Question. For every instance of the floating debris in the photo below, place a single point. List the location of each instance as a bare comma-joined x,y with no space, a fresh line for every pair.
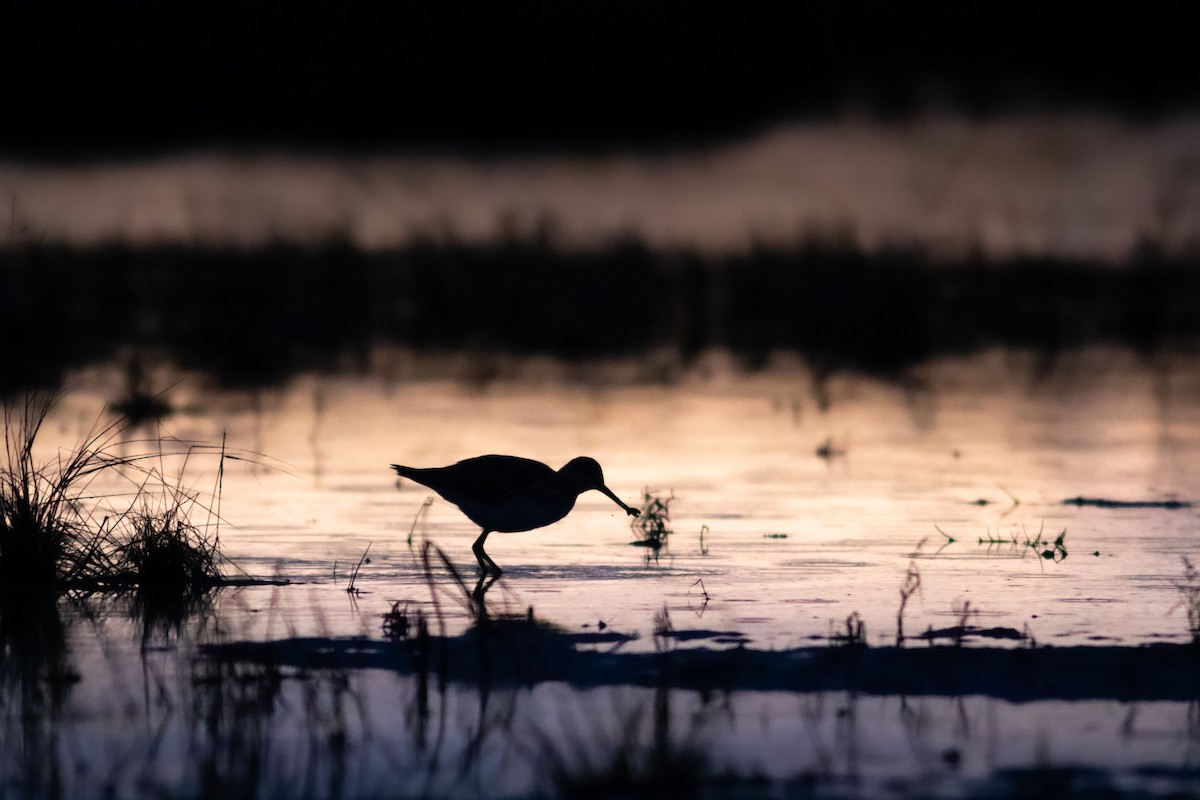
1100,502
828,450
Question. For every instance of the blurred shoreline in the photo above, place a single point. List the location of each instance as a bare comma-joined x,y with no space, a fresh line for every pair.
1049,185
257,317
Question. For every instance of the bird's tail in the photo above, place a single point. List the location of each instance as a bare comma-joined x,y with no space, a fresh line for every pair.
403,471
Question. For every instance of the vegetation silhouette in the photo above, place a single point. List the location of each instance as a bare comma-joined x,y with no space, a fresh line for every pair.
331,308
60,532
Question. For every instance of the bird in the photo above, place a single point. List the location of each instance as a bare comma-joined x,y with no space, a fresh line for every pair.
510,494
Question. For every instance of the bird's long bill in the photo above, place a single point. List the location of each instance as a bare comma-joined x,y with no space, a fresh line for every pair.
631,511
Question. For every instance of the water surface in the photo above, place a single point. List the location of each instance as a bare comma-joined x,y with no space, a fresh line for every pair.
815,498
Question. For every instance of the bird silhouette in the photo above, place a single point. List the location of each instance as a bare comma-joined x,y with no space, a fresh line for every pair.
508,494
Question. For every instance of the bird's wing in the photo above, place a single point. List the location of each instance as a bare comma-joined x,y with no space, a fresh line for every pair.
485,480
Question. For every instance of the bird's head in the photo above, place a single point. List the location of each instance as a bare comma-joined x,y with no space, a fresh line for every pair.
583,474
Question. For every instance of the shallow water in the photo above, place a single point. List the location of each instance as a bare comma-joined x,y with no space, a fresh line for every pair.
794,541
988,447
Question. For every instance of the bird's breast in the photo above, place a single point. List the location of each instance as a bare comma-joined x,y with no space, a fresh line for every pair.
520,514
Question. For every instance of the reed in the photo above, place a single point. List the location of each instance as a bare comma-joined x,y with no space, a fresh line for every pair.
351,588
58,531
1189,590
910,586
47,538
166,552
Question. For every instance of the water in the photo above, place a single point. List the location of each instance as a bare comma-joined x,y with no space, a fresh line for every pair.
791,539
815,498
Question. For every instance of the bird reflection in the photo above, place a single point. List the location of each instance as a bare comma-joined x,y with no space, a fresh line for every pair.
486,580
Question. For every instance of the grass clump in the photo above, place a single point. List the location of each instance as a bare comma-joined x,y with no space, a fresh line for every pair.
46,537
49,533
165,552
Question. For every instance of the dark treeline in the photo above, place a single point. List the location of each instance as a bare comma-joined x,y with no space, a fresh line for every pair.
85,78
259,316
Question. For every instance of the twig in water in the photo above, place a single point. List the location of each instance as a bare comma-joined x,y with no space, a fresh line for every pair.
911,586
1189,588
424,507
351,588
965,612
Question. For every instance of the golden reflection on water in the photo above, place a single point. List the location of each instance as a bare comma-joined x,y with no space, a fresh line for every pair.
795,541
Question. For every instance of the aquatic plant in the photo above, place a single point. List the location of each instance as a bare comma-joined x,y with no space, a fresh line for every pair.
1058,550
652,525
165,552
46,538
160,547
1044,548
145,539
350,587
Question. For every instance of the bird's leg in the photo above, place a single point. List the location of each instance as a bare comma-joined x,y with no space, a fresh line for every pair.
486,564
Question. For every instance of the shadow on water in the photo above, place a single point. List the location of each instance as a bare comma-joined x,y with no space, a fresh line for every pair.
520,650
655,746
36,677
513,706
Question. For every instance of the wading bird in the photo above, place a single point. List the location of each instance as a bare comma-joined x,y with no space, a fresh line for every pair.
507,494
